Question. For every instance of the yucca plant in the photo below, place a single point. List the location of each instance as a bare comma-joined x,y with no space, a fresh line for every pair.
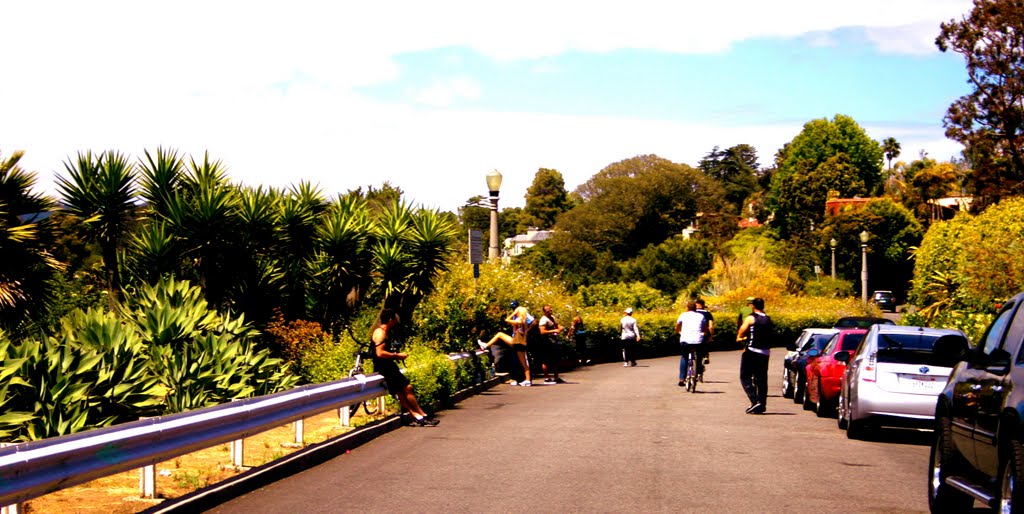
101,191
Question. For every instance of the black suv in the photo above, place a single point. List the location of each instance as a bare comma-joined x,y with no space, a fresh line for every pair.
884,300
979,434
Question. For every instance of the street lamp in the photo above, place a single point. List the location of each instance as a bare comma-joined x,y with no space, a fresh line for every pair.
864,266
493,184
833,243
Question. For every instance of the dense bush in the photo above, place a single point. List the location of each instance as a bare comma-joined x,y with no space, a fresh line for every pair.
636,294
827,287
962,267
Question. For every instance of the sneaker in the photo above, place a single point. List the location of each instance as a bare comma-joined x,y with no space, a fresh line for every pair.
682,383
753,409
707,360
633,363
483,345
548,381
526,383
425,422
558,381
625,364
513,383
700,378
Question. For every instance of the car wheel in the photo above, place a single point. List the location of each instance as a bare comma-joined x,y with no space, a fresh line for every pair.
858,429
944,463
841,412
821,408
787,384
799,390
808,404
1013,470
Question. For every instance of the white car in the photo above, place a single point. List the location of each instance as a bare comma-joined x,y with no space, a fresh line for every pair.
896,376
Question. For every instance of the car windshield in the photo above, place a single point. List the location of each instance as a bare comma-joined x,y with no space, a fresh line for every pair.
851,341
930,349
862,322
818,341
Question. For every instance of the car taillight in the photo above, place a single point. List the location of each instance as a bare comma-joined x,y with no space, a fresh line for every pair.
870,371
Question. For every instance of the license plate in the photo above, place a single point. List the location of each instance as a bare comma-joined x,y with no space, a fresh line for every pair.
925,383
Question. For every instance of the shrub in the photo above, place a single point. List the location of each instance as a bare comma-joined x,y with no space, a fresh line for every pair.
636,294
827,287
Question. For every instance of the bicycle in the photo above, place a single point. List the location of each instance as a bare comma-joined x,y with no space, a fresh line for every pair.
370,407
691,370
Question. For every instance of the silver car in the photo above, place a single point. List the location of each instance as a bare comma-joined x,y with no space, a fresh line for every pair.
896,376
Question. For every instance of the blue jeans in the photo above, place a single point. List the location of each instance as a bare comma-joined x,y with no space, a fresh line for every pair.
684,360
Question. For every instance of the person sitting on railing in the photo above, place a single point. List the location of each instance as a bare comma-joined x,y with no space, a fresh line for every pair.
521,322
384,363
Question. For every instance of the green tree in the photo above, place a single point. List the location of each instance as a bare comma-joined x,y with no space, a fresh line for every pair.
827,157
546,198
891,149
670,266
635,203
736,170
24,238
894,233
989,121
101,190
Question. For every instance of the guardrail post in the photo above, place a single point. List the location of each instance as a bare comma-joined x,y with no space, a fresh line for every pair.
237,449
14,508
298,431
343,416
147,481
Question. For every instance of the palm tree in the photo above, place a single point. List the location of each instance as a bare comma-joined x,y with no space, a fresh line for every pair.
101,191
26,264
891,148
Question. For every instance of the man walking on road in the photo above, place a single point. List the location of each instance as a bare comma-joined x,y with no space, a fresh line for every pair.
756,333
630,337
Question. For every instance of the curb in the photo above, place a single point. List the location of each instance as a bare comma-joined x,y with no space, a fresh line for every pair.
296,462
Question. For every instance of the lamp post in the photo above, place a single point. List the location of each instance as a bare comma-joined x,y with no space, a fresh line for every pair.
864,266
833,243
493,184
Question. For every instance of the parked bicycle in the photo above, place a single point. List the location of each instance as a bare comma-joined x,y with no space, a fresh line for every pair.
370,407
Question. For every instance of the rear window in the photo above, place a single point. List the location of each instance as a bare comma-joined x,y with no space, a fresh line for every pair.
852,341
928,349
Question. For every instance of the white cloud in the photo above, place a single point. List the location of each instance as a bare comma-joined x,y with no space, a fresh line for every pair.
443,93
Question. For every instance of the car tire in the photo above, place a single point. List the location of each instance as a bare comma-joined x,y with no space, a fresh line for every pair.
808,404
787,384
799,390
945,462
858,429
821,408
1011,490
841,412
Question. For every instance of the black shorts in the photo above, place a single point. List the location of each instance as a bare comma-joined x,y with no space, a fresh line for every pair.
393,377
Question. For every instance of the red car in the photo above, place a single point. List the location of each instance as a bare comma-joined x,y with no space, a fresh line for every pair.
824,371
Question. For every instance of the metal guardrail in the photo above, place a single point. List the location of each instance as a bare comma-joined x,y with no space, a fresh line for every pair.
29,470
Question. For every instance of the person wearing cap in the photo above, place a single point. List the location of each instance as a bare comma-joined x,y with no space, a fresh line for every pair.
521,322
745,311
630,337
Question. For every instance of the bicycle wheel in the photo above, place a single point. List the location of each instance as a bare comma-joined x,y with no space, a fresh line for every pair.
371,407
691,374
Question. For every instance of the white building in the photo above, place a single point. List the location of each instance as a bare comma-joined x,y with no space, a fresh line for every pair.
516,245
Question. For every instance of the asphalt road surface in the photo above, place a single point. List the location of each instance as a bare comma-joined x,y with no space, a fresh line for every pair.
616,439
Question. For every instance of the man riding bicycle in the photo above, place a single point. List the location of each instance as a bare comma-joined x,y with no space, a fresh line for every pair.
691,326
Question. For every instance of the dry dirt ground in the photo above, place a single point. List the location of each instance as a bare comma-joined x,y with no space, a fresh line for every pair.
120,493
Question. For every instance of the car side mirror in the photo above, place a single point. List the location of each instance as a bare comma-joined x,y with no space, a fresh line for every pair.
998,362
842,356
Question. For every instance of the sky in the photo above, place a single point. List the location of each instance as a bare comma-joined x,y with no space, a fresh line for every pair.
431,96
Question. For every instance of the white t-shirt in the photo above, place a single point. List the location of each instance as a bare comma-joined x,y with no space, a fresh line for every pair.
691,327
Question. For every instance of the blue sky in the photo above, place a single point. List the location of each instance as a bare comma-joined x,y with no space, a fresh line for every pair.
432,97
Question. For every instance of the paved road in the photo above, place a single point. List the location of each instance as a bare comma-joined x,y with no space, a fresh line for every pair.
615,439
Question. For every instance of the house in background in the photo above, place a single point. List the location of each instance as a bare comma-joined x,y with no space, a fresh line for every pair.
517,245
